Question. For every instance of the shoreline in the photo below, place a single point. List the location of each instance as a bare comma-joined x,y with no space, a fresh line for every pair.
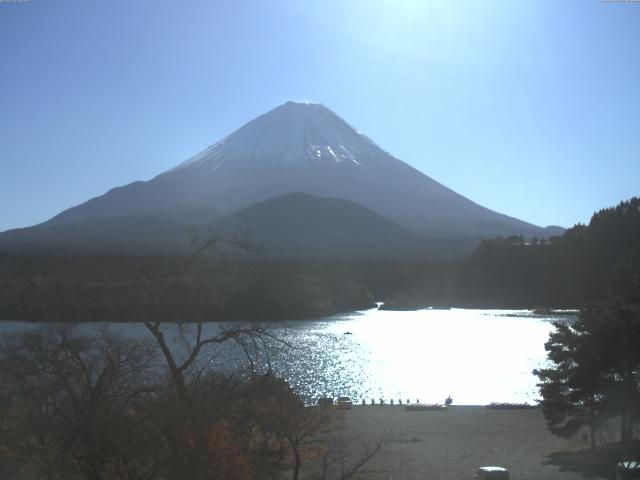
509,313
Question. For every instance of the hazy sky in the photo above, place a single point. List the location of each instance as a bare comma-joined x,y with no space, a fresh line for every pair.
531,108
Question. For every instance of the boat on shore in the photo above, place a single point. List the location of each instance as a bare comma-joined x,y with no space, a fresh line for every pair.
509,406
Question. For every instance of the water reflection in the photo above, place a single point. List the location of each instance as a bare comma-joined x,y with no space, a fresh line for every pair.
476,356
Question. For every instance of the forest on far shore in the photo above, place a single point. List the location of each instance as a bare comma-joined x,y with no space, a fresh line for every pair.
568,271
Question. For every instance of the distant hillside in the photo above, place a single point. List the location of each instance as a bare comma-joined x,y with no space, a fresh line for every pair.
297,223
151,233
294,224
568,271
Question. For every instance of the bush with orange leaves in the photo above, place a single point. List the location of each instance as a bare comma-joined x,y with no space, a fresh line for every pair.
227,458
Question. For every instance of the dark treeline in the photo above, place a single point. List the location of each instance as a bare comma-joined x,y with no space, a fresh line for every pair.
136,288
566,271
513,272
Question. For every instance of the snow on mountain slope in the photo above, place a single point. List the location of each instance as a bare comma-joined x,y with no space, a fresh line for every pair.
294,133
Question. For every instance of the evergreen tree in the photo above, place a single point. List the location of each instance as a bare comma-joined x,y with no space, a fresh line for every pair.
595,371
572,388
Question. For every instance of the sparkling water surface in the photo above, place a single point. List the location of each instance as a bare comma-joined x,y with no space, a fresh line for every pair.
476,356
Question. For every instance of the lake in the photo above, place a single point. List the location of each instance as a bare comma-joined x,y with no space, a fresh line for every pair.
476,356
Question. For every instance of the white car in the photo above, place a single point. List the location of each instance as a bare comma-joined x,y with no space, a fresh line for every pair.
492,473
628,469
344,403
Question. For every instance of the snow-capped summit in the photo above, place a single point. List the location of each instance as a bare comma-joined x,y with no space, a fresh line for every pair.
293,133
307,148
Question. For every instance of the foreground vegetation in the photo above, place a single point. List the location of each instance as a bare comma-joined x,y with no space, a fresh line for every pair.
101,407
593,380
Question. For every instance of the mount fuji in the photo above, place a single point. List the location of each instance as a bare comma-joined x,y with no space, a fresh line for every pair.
296,147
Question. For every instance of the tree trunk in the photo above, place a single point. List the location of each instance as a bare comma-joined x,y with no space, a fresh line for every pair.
296,456
174,371
624,428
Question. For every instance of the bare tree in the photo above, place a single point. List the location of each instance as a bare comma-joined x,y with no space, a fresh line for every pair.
347,456
74,404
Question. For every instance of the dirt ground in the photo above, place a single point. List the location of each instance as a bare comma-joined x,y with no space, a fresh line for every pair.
452,444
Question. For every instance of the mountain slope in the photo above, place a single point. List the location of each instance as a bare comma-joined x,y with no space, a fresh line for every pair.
303,148
292,224
152,233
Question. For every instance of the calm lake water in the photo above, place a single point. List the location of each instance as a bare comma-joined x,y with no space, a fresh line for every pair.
476,356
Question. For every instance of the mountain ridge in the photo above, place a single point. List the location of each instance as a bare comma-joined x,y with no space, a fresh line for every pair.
305,148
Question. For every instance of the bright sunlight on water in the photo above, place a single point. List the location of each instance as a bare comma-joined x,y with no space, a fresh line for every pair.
476,356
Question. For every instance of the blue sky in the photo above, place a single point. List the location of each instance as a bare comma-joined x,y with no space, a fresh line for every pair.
531,108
